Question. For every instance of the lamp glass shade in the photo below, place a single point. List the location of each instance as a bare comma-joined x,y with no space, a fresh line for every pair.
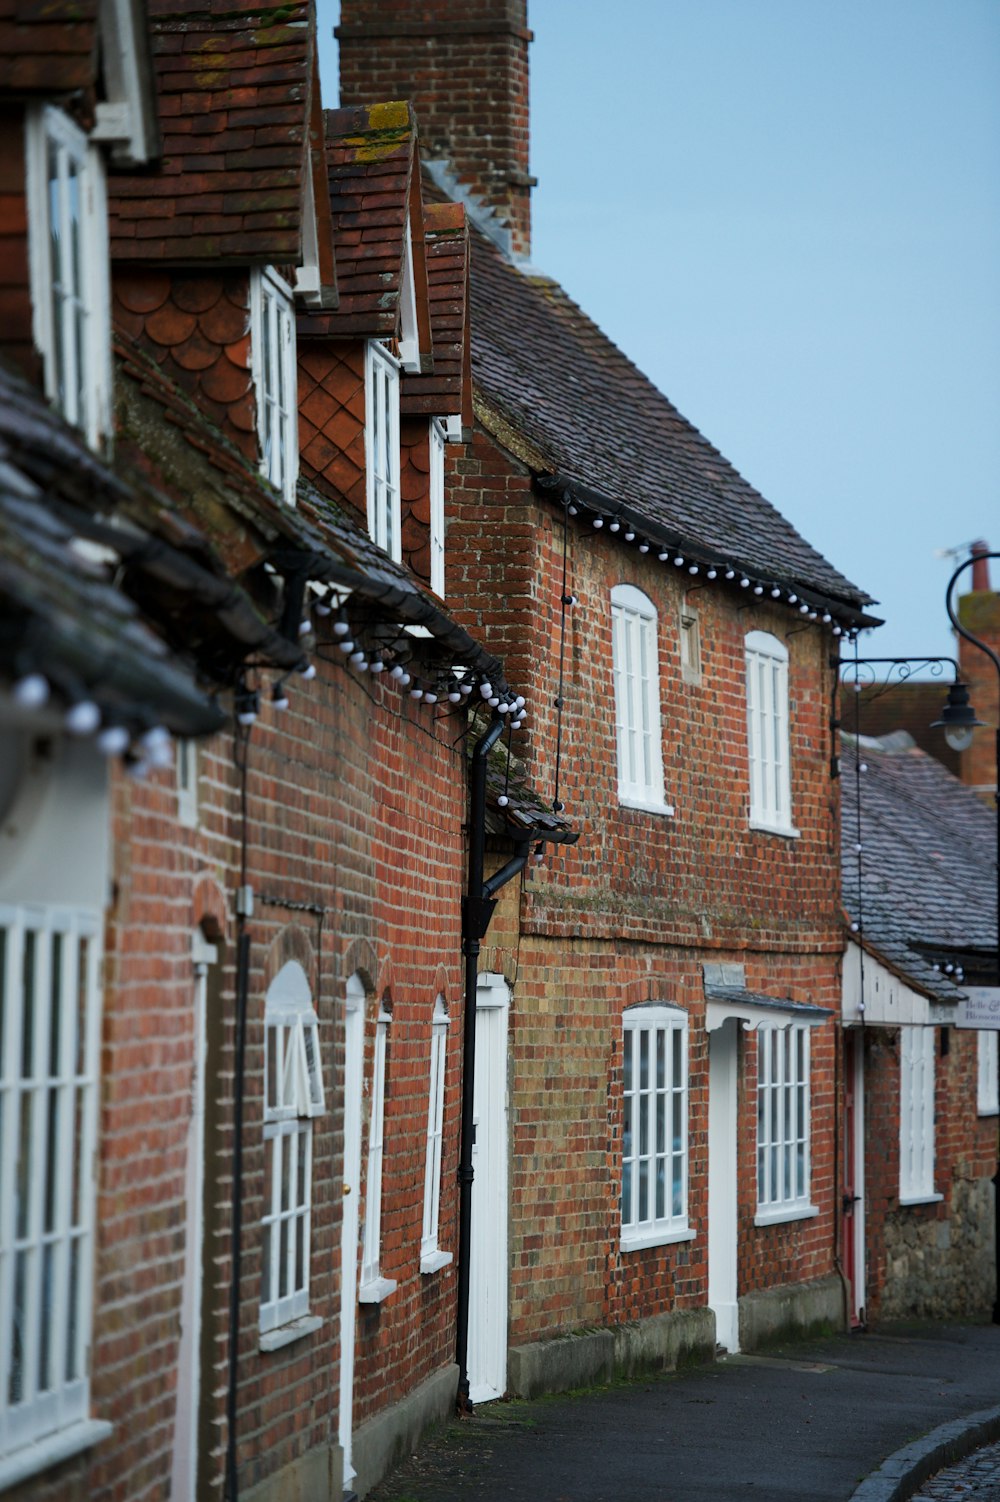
959,737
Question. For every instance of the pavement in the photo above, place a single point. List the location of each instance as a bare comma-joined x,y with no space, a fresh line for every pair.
866,1417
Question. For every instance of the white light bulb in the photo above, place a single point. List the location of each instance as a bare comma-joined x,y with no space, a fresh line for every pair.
113,739
341,628
486,688
663,556
430,698
837,631
803,610
744,582
32,691
854,928
615,527
396,672
378,666
520,701
347,645
405,681
358,655
630,536
323,607
730,573
863,767
693,569
679,561
793,599
465,688
308,672
305,627
503,800
713,573
280,701
83,718
758,589
598,522
572,510
416,693
775,593
493,701
644,547
454,697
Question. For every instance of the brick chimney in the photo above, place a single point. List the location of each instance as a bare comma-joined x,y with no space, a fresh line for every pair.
464,65
979,612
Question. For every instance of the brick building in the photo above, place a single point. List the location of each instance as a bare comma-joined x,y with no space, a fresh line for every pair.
234,778
660,998
920,1058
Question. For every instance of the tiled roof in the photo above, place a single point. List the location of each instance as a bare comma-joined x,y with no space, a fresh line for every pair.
240,521
596,422
62,616
233,90
524,815
449,389
48,46
928,871
374,189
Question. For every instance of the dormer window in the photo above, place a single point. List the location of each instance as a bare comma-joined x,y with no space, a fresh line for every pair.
68,239
272,337
437,442
382,448
409,338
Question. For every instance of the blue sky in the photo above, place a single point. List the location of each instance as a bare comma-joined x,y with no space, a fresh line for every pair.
787,212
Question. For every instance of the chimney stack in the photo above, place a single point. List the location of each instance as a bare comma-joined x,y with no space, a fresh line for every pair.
979,612
464,66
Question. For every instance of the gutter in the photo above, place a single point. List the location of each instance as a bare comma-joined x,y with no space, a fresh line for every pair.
478,906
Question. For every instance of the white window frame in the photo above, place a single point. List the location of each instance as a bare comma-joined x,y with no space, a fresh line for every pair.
374,1287
768,734
48,1085
784,1124
916,1115
432,1258
409,336
987,1080
690,645
187,782
654,1114
436,440
635,667
382,466
70,300
275,378
293,1098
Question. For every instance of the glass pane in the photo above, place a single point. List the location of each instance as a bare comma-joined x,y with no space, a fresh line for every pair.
55,1010
661,1188
3,1000
21,1214
78,1164
51,1158
28,1006
265,1265
283,1261
312,1063
643,1124
643,1061
678,1187
83,982
629,1038
644,1189
661,1122
661,1059
73,1332
45,1319
15,1388
626,1193
678,1123
271,1065
678,1075
300,1242
286,1148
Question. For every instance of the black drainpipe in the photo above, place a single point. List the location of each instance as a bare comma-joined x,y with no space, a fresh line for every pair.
477,910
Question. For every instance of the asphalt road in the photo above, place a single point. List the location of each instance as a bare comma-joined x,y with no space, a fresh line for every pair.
806,1423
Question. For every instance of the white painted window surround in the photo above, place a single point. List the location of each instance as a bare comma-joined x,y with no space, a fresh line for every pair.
783,1124
409,339
637,700
275,377
49,1003
382,448
68,248
432,1258
293,1098
437,441
768,739
987,1089
916,1115
374,1287
654,1127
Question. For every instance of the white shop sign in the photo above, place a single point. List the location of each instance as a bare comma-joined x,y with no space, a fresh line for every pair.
981,1008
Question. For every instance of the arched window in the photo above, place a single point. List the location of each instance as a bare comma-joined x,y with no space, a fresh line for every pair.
654,1126
768,733
293,1096
431,1256
637,699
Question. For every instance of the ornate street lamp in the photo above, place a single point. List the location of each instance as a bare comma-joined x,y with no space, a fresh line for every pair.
965,730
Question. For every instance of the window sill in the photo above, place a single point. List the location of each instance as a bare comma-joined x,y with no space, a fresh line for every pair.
434,1261
377,1290
637,1241
41,1454
776,1215
921,1199
273,1340
786,831
989,1111
646,805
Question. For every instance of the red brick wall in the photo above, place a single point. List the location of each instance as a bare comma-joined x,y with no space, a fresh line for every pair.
643,901
355,799
464,65
928,1260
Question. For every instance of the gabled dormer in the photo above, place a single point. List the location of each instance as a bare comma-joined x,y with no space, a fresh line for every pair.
213,251
75,90
356,360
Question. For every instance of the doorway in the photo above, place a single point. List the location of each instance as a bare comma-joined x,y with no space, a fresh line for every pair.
488,1272
354,1056
723,1293
853,1203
